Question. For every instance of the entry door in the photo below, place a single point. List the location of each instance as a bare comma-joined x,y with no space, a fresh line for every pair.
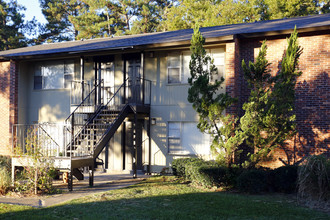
134,82
108,76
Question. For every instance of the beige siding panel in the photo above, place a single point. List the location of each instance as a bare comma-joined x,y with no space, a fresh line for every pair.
23,86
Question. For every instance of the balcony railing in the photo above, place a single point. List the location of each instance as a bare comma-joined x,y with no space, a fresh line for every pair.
79,90
44,139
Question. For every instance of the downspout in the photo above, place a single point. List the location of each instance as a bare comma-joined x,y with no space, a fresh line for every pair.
82,77
99,86
149,152
95,81
142,76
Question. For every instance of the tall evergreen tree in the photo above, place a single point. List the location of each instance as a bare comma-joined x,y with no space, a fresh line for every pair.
282,118
278,9
90,22
252,123
186,13
11,25
269,118
149,15
59,27
107,17
210,105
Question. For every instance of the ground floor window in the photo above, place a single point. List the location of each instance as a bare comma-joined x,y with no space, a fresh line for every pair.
184,138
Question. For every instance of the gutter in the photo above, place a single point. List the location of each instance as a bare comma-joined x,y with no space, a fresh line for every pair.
50,54
284,32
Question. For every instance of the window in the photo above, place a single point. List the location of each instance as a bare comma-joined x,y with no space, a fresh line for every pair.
53,75
178,67
173,68
184,138
174,137
218,56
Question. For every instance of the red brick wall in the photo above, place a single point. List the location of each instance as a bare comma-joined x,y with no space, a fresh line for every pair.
312,90
8,103
232,73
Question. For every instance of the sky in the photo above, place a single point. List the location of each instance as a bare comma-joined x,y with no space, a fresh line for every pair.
32,10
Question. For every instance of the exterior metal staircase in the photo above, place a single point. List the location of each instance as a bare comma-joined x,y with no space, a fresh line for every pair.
91,131
86,132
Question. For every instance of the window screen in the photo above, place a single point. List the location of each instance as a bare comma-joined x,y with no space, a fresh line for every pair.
184,138
173,68
53,75
219,61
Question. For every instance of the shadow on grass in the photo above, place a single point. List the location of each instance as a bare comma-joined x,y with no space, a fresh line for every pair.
168,200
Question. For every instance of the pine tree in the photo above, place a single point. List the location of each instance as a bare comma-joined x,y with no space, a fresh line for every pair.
91,21
59,27
269,118
149,15
252,123
282,116
11,25
210,105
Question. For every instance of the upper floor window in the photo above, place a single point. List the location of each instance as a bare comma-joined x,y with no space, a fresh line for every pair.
53,74
178,67
218,56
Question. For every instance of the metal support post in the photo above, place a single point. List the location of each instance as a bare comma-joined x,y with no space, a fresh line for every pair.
99,85
70,181
134,147
149,153
91,175
82,77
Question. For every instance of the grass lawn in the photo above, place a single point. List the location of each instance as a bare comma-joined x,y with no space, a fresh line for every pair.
165,198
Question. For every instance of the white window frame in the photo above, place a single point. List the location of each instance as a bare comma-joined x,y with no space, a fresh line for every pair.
184,71
183,75
65,75
179,148
212,53
171,136
171,67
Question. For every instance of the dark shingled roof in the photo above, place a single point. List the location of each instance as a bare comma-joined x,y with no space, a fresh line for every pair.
169,37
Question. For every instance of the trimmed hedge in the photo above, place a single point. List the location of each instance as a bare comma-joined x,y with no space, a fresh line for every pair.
253,181
204,173
284,179
209,174
178,166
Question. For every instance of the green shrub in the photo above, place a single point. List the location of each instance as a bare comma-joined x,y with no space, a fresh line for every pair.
213,176
253,181
192,168
5,161
5,180
199,172
232,176
314,181
284,179
178,165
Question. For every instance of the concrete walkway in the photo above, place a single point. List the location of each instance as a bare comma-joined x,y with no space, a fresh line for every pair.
102,182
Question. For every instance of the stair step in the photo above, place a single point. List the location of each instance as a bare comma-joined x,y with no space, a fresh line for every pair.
77,173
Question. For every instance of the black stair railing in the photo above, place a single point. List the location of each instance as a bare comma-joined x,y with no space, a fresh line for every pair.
136,91
89,133
95,127
79,90
79,117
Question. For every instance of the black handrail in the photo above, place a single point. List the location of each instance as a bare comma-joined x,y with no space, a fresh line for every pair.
122,100
87,97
